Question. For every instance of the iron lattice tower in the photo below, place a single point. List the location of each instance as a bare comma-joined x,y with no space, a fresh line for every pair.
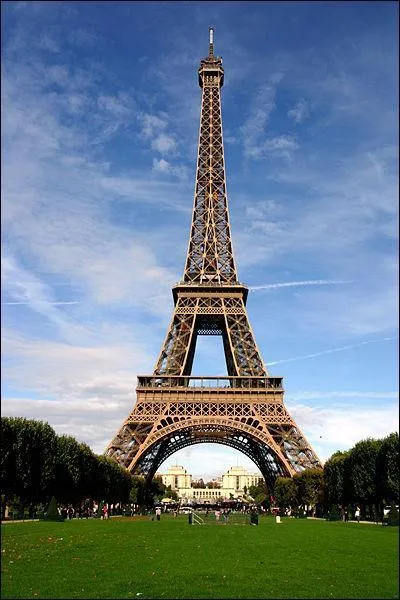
244,410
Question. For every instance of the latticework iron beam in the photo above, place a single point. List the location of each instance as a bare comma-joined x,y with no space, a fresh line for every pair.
244,410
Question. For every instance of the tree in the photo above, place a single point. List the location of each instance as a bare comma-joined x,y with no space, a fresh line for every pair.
310,484
137,495
362,468
213,485
115,482
170,493
285,492
154,491
28,462
8,469
335,478
387,466
91,484
259,492
68,470
52,511
35,464
199,483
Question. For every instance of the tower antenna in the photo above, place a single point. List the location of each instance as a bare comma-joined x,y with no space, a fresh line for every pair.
211,41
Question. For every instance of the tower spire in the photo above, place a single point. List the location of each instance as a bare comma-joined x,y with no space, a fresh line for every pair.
211,41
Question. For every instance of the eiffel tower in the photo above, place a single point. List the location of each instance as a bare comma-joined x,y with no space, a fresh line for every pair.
244,410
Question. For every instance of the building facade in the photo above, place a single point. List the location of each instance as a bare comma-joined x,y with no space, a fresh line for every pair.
239,479
235,484
177,477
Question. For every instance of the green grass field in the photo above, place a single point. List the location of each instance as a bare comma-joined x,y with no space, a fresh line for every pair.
140,558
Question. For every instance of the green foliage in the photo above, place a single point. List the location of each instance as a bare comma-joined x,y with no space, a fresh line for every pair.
69,475
213,485
170,493
116,482
334,513
199,483
27,458
259,492
146,493
35,464
8,468
388,462
285,492
157,489
310,485
368,474
335,478
52,511
362,471
136,494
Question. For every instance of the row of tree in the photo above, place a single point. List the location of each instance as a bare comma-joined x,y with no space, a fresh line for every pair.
36,464
366,475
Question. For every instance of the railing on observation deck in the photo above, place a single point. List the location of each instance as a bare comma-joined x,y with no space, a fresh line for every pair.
240,383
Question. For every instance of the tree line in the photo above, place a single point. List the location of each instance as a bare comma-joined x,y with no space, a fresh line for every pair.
367,476
36,464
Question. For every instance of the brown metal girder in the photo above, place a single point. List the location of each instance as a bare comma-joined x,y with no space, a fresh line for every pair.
156,435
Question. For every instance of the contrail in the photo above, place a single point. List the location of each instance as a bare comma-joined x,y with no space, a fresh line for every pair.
38,301
272,286
278,362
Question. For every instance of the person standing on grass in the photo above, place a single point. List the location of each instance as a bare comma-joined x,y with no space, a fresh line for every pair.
357,514
158,513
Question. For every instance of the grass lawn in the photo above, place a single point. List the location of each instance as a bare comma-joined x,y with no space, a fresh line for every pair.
139,558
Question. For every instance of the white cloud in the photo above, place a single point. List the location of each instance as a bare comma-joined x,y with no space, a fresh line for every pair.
300,111
308,395
273,286
27,289
151,125
58,74
163,144
340,427
48,43
282,145
116,105
85,391
165,167
161,165
253,129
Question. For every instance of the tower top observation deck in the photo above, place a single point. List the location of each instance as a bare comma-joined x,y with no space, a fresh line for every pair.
211,65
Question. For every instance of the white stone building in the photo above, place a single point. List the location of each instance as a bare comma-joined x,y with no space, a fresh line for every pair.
238,479
234,484
177,478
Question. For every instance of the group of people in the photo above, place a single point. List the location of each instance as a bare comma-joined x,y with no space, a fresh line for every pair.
222,512
344,514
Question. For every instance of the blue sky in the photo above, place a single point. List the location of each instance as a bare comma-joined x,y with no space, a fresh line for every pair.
99,135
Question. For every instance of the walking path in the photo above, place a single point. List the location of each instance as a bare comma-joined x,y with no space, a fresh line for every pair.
349,521
311,518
